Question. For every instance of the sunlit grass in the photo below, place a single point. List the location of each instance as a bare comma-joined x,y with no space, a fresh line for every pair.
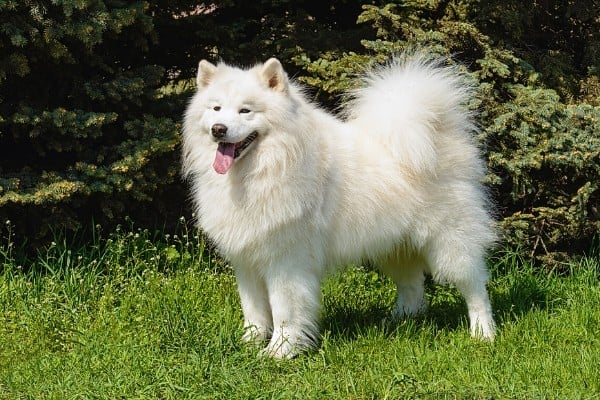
139,314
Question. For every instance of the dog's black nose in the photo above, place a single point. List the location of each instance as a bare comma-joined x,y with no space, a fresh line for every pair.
218,130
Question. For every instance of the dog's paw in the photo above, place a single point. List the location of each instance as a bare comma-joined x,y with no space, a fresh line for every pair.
484,329
281,351
283,348
256,335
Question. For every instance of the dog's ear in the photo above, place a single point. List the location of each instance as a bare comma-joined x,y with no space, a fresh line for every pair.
274,75
206,70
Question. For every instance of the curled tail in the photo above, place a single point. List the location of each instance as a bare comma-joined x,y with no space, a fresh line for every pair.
409,104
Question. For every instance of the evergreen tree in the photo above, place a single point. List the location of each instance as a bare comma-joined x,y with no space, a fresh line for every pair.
83,127
92,92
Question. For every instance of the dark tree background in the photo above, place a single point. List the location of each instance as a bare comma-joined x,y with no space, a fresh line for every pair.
92,93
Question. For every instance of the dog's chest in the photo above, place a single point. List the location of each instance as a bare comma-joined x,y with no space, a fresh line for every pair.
236,217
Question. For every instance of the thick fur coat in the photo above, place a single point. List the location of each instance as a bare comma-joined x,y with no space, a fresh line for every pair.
286,190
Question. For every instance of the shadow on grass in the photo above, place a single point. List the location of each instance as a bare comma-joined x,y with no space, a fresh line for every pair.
521,293
512,296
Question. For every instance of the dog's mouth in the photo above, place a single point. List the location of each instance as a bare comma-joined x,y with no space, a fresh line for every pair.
228,152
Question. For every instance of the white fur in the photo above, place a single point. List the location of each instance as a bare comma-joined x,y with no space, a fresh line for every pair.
396,182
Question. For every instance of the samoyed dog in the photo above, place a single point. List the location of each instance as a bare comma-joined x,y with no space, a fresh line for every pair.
286,190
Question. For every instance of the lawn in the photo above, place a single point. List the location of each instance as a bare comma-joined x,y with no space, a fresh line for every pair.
136,315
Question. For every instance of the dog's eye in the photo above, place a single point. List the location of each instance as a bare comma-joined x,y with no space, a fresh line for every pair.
217,108
244,110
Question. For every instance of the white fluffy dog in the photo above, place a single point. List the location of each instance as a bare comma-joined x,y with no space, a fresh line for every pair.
286,190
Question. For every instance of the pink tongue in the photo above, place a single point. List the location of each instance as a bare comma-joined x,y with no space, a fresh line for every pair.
224,157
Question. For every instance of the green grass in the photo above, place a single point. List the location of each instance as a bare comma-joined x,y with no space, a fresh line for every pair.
142,316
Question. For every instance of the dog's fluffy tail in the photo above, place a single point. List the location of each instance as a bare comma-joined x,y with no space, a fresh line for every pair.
410,101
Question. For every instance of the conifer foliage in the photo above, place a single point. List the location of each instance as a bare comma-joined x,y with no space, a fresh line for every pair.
92,92
81,122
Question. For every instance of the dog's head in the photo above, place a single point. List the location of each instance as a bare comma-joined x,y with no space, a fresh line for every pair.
235,107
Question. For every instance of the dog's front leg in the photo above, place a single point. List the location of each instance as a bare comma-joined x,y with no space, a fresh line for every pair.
258,322
295,298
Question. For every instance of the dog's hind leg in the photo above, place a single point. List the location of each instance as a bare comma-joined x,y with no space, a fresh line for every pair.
408,275
454,262
478,303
